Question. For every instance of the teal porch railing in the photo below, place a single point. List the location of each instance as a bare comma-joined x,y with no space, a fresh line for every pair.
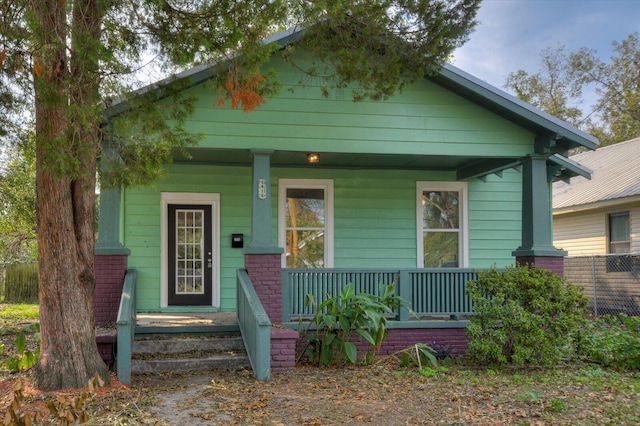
255,326
126,326
430,292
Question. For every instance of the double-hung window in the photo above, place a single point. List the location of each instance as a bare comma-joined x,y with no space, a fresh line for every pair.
305,222
619,233
442,224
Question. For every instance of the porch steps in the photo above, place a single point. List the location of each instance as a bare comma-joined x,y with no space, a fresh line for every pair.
192,348
182,343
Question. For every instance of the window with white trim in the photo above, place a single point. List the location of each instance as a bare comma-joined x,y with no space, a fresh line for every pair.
619,233
305,222
442,224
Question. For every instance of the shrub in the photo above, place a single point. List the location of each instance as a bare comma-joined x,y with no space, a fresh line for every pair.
339,317
523,315
612,341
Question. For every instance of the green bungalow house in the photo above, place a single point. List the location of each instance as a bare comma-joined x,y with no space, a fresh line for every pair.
307,193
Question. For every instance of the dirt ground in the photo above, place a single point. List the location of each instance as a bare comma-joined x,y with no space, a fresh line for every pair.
383,394
458,393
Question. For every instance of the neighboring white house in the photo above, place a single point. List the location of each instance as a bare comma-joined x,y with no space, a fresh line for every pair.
601,215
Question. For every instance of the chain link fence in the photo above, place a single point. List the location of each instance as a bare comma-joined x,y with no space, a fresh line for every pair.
612,282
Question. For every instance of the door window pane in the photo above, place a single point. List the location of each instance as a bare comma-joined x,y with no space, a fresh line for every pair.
189,247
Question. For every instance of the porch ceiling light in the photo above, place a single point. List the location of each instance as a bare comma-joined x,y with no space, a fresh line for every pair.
313,158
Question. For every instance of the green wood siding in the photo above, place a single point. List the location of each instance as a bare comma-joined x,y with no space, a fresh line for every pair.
424,119
374,219
374,210
495,217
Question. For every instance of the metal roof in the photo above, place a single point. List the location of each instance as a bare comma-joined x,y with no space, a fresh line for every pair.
616,175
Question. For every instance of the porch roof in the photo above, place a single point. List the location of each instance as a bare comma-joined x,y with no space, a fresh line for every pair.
465,167
335,160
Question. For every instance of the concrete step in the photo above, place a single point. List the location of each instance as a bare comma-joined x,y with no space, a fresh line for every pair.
188,353
187,344
179,365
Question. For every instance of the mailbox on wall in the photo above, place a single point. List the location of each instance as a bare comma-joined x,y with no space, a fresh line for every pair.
237,240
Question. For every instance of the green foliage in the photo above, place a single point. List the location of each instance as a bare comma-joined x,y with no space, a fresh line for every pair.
24,359
338,318
554,89
21,283
376,47
428,372
523,315
558,86
612,341
418,355
15,313
18,202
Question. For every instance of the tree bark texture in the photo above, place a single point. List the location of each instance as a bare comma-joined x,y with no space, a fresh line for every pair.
65,201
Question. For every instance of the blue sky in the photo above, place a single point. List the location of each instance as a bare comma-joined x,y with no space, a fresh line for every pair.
512,33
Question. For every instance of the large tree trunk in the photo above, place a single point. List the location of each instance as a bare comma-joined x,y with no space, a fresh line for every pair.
66,149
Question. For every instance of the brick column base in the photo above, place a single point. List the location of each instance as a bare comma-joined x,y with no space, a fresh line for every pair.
110,271
265,271
283,349
552,263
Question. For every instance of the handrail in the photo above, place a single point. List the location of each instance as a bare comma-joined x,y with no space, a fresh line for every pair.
433,292
126,326
255,326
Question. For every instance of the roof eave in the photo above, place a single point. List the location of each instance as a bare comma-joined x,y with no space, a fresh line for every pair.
512,108
197,74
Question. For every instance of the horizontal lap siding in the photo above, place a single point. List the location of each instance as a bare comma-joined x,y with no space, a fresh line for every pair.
495,216
374,219
585,233
581,233
424,119
375,211
142,225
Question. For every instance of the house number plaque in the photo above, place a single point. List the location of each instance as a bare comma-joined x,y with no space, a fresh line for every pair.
262,189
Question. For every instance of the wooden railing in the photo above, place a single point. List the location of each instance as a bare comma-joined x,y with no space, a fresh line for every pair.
430,292
255,326
126,326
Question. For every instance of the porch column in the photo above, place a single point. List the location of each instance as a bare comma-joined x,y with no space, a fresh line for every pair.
537,221
110,264
262,257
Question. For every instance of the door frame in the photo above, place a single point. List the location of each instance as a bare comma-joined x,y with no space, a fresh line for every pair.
209,199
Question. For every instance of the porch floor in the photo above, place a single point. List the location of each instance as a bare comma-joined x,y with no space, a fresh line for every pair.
186,321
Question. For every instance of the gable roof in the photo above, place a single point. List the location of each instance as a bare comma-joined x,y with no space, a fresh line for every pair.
616,176
508,106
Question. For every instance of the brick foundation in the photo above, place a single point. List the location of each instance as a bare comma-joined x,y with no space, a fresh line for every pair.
265,272
106,341
552,263
283,349
402,338
110,271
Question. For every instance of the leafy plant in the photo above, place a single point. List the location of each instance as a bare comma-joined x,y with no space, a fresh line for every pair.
612,341
418,355
524,315
24,359
428,372
338,318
